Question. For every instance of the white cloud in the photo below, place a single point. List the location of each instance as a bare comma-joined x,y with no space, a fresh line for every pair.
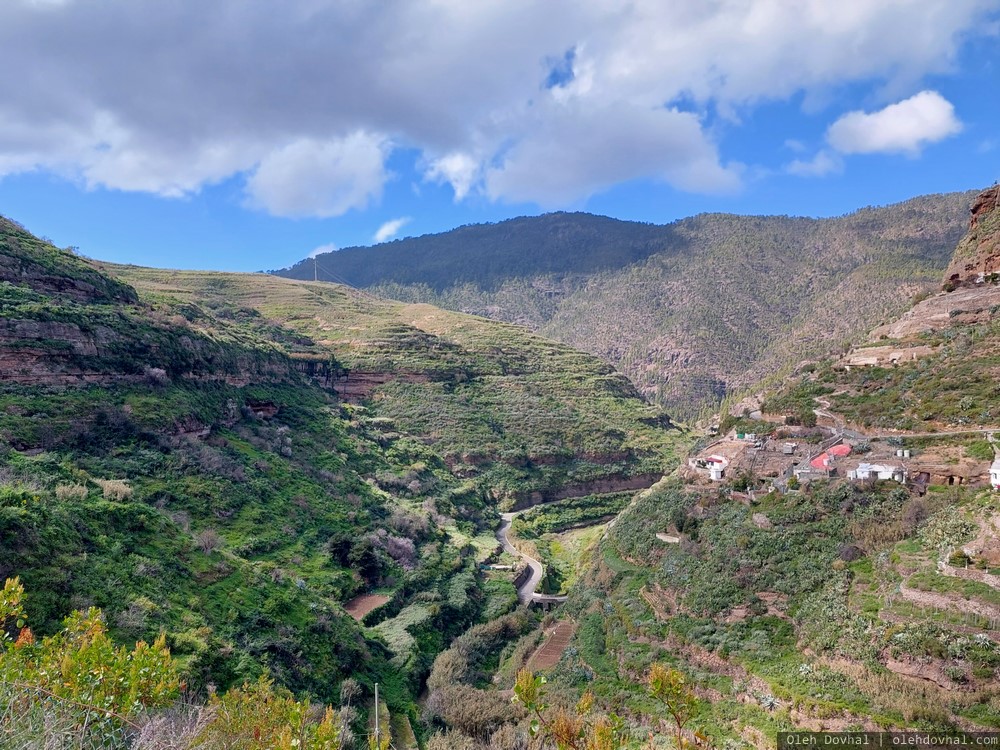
390,229
320,178
822,164
573,152
905,127
328,248
307,101
460,170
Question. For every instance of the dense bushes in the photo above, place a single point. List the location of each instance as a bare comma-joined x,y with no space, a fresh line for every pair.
455,698
725,558
77,689
565,514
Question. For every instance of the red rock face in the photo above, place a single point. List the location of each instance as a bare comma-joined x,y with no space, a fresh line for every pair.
985,203
977,258
357,385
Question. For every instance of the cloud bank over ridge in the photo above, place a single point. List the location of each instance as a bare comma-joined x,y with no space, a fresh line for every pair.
505,99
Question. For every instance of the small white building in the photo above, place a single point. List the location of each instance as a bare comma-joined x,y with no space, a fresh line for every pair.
714,465
866,471
995,474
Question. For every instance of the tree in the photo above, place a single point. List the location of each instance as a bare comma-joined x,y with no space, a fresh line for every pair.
670,687
77,682
567,730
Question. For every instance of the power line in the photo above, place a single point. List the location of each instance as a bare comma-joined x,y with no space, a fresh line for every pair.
339,280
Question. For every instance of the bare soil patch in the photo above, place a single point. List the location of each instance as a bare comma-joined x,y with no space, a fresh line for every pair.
551,651
360,606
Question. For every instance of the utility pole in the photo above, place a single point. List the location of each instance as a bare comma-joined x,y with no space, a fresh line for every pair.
315,269
378,737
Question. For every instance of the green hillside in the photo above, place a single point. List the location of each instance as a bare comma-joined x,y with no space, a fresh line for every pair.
228,459
303,478
690,311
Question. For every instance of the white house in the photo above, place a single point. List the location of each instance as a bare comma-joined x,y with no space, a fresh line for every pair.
995,474
714,465
878,471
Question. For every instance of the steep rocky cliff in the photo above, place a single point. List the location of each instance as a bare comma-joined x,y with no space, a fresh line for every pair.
978,254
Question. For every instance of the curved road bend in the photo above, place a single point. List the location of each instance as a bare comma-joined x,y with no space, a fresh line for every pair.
526,591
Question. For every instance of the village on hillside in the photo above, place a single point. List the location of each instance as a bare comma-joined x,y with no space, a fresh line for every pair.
785,449
783,457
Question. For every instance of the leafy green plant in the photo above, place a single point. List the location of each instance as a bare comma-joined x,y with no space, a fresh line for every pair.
564,729
257,716
77,682
670,687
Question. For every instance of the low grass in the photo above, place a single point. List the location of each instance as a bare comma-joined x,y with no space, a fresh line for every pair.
930,580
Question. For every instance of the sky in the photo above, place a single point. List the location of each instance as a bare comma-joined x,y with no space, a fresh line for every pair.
244,136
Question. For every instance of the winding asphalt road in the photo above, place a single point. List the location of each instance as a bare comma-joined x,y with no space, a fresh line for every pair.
526,591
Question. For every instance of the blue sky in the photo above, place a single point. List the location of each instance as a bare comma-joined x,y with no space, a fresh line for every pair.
245,136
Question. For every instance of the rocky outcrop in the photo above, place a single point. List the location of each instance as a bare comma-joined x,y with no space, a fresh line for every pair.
15,271
30,262
977,257
603,486
986,203
870,356
970,305
357,385
57,353
51,353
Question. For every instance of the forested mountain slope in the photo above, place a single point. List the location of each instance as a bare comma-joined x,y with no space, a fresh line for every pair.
690,311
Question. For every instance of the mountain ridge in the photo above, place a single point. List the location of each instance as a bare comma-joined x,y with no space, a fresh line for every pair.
691,311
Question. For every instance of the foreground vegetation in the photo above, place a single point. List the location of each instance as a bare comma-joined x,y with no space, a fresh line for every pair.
77,689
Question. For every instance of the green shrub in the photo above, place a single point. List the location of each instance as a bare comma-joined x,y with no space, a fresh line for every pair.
981,450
